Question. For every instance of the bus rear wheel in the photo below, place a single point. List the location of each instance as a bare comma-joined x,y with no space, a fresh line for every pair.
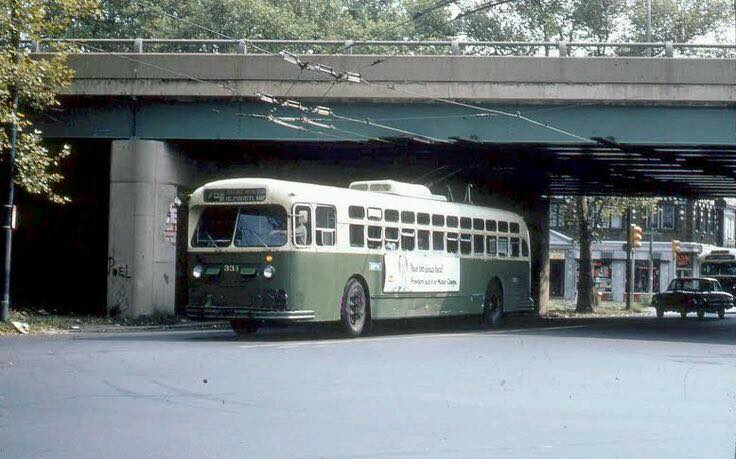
354,309
493,306
244,327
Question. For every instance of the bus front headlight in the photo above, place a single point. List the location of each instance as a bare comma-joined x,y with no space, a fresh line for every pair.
197,271
268,271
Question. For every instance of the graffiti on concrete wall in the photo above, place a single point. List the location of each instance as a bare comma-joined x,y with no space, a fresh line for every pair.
119,275
171,221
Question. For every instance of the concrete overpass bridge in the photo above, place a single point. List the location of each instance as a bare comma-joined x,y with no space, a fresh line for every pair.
517,126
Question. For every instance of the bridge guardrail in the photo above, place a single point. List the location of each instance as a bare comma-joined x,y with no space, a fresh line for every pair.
453,47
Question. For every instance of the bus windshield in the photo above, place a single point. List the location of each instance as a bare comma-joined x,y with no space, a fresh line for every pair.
248,226
718,269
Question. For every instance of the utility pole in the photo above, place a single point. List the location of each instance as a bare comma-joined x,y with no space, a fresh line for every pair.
8,207
628,257
651,263
649,27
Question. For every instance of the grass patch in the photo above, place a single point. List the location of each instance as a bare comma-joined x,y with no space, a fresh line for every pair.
606,308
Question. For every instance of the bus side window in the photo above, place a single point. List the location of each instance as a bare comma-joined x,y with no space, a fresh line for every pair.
423,240
391,237
356,212
375,237
452,242
514,227
452,222
465,243
503,227
503,247
302,223
491,247
422,218
514,246
407,216
524,248
465,223
375,213
478,224
491,225
438,220
391,215
357,235
407,239
438,241
325,225
478,246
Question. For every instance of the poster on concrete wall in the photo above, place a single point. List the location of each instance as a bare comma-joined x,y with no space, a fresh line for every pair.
421,273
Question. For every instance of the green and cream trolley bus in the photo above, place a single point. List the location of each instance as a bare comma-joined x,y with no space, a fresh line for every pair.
263,250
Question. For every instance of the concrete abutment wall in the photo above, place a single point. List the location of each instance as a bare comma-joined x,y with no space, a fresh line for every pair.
144,179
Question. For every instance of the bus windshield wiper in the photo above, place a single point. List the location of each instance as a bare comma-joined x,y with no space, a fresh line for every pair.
211,241
257,237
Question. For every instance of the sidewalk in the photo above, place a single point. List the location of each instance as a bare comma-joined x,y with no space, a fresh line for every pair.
42,323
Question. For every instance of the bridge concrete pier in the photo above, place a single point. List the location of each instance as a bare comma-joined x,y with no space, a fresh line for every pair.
141,271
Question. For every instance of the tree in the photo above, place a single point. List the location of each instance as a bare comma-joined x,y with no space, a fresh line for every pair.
682,21
36,83
600,20
587,215
267,19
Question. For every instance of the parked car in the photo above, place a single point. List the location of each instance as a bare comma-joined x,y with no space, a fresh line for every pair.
693,294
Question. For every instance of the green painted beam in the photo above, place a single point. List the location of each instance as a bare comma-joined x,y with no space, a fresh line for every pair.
232,120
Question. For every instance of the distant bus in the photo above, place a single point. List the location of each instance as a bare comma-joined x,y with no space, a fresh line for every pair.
263,250
721,265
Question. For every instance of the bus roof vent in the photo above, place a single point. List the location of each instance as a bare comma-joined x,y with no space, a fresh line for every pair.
397,188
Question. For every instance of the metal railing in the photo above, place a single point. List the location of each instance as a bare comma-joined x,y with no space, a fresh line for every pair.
452,47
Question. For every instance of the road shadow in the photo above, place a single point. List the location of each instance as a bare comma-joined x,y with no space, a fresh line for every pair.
710,330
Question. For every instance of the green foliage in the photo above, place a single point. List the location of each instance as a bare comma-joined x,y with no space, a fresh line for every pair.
601,20
36,82
266,19
682,21
599,208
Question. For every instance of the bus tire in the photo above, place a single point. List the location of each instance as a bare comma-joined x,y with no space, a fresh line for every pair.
683,314
660,312
721,313
354,308
701,314
493,305
244,327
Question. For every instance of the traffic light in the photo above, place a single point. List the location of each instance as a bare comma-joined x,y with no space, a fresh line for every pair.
675,246
635,236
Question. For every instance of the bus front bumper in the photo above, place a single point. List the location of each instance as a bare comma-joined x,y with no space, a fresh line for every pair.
235,312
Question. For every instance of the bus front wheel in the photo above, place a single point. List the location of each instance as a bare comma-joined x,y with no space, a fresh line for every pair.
493,306
354,309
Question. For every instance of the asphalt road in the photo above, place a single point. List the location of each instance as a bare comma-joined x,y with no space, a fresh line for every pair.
598,388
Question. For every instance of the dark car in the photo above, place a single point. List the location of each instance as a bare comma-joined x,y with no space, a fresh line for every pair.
693,294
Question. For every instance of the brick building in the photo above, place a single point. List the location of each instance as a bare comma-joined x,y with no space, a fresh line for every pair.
699,225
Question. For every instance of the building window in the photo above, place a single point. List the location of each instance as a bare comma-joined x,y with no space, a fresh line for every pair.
602,275
641,276
556,215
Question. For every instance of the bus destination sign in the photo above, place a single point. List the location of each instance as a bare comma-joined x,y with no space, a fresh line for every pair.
235,195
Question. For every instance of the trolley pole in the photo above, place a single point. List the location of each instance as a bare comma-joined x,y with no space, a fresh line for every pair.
651,263
628,258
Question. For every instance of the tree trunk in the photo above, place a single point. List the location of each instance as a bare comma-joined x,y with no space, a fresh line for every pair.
585,277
